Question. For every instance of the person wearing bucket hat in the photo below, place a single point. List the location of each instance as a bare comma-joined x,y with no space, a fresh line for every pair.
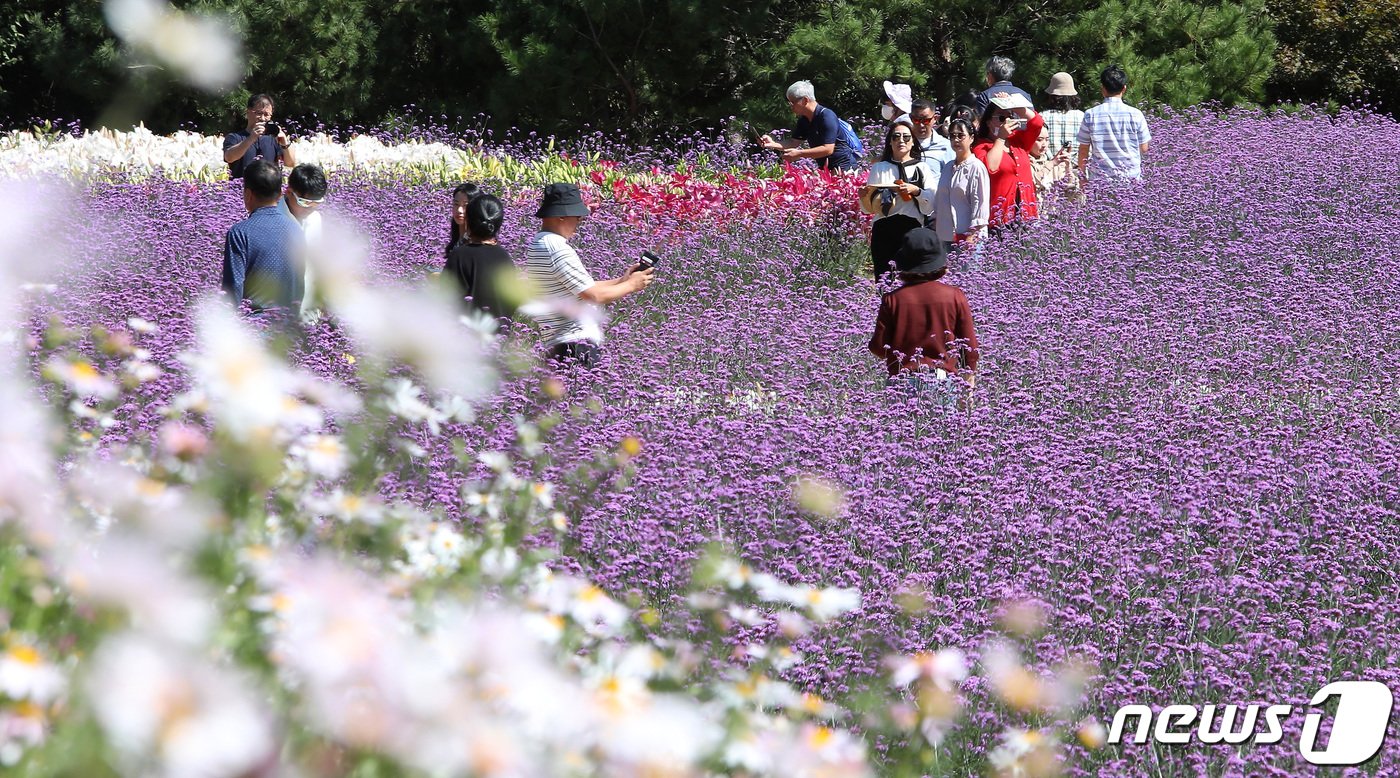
1062,115
924,330
567,308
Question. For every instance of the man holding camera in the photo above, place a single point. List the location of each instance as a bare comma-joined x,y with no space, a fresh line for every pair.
263,139
819,127
567,311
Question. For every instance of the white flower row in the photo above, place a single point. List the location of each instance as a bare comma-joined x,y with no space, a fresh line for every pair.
141,153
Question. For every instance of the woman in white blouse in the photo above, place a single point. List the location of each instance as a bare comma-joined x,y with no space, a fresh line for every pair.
962,202
899,191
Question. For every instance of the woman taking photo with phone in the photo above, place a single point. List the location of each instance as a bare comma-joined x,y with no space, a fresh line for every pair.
1010,127
899,191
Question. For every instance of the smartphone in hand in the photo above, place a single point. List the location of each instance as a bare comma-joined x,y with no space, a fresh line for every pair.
648,261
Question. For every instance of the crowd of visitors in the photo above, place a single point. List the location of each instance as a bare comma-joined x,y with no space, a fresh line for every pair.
941,184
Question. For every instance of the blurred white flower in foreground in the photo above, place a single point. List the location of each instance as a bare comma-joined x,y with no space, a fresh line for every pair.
420,326
196,719
251,394
26,675
202,50
945,668
132,574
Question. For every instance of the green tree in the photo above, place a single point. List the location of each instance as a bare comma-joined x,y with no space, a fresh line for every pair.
56,58
1337,50
626,64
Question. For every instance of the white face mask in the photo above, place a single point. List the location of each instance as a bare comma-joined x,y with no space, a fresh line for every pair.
887,111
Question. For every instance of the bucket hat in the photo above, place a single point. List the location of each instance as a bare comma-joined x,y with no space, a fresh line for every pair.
921,252
1061,84
561,200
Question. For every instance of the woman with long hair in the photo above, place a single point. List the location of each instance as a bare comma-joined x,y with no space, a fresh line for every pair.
461,198
899,191
1009,128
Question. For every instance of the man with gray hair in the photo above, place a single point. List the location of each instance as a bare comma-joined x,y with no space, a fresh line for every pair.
999,72
819,127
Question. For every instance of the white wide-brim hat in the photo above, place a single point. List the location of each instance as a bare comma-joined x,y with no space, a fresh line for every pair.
901,95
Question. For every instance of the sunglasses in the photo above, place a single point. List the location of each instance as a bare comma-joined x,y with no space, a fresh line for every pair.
305,203
903,136
922,120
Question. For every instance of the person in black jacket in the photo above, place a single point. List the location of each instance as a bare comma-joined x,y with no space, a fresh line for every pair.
484,272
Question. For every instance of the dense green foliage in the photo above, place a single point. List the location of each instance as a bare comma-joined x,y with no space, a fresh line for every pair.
644,67
1338,50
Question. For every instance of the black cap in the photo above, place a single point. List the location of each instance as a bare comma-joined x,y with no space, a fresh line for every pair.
561,200
922,252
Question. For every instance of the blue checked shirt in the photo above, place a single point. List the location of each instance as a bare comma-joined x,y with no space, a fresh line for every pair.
1115,132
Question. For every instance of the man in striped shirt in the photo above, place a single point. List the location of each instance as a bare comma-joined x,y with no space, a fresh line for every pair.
567,310
1114,134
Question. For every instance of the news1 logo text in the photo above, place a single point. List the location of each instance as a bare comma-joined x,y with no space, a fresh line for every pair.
1358,728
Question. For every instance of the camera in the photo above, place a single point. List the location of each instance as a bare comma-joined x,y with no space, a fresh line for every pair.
272,129
648,261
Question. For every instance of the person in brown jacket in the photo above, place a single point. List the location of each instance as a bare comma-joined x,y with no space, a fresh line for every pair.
924,329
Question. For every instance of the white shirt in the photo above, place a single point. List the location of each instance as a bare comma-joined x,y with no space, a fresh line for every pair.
559,277
889,172
1115,132
963,202
311,230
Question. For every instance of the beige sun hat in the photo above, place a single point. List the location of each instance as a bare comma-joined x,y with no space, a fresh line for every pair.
1061,84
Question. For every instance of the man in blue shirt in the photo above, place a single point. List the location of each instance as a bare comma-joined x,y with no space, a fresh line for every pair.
999,71
253,143
819,127
262,253
1113,137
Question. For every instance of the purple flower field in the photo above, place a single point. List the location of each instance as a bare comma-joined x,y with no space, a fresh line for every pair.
1183,445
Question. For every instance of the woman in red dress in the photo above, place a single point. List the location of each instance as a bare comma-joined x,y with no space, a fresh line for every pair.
1009,128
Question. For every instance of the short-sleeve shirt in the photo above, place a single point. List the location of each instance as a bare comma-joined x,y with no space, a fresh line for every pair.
263,260
1061,127
820,130
265,148
558,276
483,272
1116,131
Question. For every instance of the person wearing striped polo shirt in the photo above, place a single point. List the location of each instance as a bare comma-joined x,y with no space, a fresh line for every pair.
1113,137
567,308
